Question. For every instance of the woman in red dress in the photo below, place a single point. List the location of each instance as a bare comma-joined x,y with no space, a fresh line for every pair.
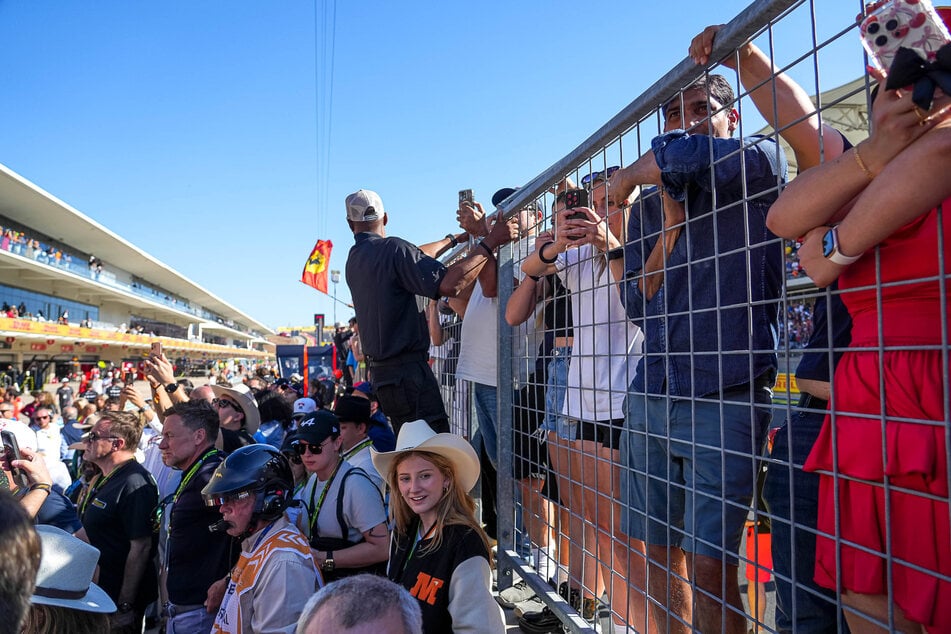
884,538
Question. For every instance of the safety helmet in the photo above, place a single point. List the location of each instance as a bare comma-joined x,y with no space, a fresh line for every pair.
259,470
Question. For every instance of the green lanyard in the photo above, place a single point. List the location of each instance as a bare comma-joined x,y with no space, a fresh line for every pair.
191,473
94,490
315,510
409,557
366,443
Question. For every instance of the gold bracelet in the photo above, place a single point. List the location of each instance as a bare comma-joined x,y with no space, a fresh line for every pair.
861,163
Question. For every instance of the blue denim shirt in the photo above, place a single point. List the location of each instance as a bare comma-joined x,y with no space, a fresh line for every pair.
713,324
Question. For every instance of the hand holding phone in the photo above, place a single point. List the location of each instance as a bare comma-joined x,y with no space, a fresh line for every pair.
156,349
465,196
11,452
892,24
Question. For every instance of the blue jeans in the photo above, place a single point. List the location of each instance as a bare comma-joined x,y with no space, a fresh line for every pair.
486,402
190,622
792,497
555,391
688,469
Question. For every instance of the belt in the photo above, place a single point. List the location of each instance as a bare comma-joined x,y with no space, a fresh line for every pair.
808,401
400,359
174,610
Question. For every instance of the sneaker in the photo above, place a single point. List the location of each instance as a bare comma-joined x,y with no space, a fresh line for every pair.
521,591
540,622
529,605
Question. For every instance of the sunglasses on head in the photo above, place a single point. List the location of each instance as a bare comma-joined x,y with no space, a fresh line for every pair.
594,177
302,448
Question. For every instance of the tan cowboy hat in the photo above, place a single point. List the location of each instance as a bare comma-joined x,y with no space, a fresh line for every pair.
419,436
242,395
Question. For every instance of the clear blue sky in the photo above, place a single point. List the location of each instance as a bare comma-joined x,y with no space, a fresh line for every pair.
190,127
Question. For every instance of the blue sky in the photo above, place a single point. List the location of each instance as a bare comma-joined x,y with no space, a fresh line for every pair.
190,127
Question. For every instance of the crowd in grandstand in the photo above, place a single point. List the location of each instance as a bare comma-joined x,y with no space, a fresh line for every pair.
646,312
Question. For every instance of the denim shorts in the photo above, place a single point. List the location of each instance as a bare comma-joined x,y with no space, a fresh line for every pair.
688,469
555,391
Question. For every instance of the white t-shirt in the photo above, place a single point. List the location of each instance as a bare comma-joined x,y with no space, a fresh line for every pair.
607,347
363,460
479,349
362,505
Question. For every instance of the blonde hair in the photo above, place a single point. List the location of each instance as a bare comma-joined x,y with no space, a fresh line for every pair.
455,507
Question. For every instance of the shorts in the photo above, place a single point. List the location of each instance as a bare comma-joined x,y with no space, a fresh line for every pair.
606,432
555,390
689,467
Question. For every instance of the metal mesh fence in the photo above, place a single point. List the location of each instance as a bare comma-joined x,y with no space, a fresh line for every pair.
693,436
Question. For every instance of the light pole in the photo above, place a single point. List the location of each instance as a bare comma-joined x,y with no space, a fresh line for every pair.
335,277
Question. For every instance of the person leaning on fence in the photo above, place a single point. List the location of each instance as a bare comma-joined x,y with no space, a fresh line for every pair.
804,606
438,551
882,456
704,285
385,276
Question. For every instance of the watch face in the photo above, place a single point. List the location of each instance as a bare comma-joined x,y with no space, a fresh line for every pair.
828,244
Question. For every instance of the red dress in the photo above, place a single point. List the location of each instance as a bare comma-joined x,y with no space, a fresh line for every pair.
911,527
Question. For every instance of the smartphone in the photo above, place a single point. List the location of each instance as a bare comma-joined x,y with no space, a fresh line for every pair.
575,198
890,24
129,378
156,348
11,451
465,196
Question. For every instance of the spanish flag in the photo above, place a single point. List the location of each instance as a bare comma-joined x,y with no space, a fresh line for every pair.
315,269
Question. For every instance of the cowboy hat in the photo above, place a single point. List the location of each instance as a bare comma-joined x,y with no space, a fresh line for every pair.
419,436
242,395
65,576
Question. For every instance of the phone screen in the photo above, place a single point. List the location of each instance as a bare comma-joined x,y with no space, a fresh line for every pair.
11,451
465,196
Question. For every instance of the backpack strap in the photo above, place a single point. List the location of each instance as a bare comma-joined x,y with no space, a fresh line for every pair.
344,531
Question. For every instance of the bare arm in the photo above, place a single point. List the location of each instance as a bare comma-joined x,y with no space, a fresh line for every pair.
781,101
134,570
824,193
528,293
463,274
37,474
432,321
652,273
374,548
910,185
437,248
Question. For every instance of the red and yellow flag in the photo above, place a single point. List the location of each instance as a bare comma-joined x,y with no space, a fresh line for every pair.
315,269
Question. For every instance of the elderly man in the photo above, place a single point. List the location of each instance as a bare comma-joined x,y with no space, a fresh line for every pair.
387,276
116,511
276,572
359,605
188,445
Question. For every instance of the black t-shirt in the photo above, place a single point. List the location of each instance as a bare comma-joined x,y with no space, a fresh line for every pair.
121,510
388,277
196,557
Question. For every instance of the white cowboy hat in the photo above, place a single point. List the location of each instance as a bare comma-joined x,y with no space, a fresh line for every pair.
65,577
242,395
419,436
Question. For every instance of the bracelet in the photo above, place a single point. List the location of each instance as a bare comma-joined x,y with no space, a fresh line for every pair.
452,240
861,163
41,486
487,249
535,278
616,254
541,254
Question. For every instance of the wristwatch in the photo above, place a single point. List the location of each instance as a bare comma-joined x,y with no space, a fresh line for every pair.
830,248
124,608
171,387
328,565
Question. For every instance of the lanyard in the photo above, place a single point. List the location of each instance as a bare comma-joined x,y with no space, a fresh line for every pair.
191,473
409,557
358,448
315,510
94,489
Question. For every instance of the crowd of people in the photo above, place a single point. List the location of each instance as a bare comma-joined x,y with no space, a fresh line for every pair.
645,324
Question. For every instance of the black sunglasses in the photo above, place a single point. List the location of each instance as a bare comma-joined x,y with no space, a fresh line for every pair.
302,448
93,437
594,177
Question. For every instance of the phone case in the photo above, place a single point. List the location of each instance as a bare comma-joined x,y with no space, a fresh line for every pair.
890,24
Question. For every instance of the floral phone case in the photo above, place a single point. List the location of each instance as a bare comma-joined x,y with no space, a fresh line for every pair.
890,24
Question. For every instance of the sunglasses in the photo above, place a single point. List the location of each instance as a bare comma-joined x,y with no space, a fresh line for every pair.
93,437
594,177
220,402
41,418
302,448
